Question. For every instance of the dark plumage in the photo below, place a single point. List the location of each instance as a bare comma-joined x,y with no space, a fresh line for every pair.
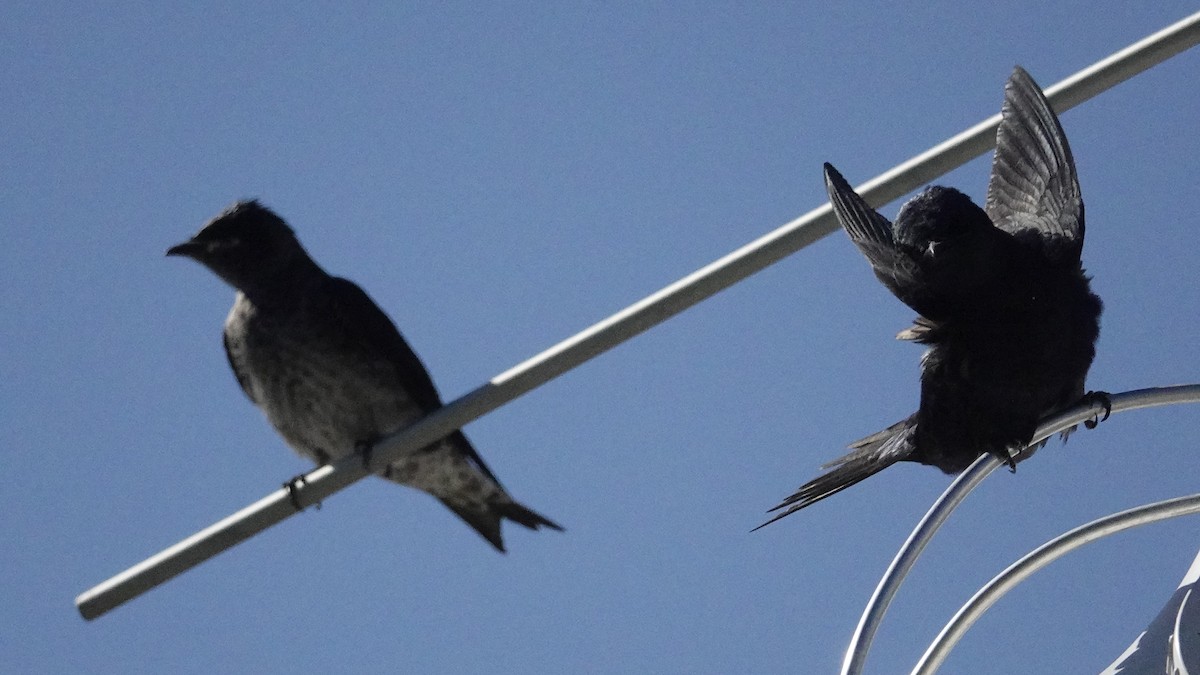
330,370
1005,307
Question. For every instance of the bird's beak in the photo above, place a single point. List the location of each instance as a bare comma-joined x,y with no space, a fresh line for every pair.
187,248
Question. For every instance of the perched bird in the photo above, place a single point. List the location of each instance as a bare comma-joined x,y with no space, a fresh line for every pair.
1004,304
330,370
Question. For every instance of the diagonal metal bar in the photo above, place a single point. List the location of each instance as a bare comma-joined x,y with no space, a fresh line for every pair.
622,326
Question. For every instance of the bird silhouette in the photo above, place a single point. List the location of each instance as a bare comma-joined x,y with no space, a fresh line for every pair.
330,370
1004,304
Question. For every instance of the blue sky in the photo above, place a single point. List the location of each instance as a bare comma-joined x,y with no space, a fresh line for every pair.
498,178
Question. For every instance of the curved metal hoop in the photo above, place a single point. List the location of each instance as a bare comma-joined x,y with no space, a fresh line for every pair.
864,634
1039,558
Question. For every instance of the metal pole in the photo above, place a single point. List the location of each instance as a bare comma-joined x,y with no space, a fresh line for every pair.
622,326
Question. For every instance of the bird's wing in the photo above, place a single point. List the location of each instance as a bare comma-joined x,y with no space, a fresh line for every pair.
372,333
1034,187
872,234
238,371
376,335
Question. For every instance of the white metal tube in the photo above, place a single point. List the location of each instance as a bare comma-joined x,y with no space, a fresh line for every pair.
1083,85
1039,558
622,326
864,634
877,606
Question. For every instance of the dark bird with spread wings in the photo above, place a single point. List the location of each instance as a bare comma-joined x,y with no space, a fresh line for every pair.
1004,303
330,370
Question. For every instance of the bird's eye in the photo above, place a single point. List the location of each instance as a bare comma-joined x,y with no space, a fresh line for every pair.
219,244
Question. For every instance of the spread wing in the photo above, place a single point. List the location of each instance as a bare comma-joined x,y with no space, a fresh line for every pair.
1034,188
872,234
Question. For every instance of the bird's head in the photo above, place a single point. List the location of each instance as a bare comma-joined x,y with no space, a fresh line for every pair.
940,219
954,241
246,245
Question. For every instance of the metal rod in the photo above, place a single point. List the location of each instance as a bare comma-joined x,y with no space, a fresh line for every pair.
1041,557
1083,85
616,329
864,634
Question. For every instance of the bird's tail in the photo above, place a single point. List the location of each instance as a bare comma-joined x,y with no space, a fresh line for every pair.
870,456
486,520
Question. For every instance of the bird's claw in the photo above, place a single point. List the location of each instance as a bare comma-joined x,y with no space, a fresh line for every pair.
1105,401
292,486
1011,460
